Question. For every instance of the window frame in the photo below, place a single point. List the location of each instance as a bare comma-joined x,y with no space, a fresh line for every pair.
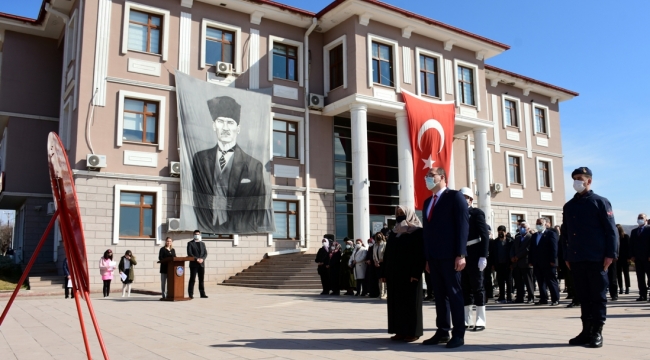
237,52
550,215
522,168
162,105
128,6
145,115
269,54
547,121
156,191
520,118
379,60
440,73
288,57
551,173
476,86
141,207
342,40
301,216
65,123
288,212
301,134
516,212
287,133
395,54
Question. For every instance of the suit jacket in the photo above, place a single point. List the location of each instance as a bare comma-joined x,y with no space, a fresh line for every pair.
639,247
520,248
478,228
245,198
197,250
544,253
445,236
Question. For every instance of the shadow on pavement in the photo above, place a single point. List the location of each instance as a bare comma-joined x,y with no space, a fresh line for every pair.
346,331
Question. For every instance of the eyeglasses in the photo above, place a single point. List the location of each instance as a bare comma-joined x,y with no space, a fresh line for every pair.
430,175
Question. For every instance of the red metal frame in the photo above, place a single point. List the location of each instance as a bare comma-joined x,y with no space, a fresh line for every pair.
74,242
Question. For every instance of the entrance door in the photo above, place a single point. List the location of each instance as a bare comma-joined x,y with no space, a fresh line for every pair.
19,226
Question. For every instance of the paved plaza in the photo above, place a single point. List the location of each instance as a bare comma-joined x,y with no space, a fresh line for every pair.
243,323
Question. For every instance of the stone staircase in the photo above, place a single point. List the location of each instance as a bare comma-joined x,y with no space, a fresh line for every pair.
291,271
43,278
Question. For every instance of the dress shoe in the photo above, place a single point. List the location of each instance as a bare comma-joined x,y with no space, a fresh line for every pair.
455,342
627,290
479,328
641,298
584,337
569,297
596,340
397,337
204,296
615,298
555,303
528,301
191,296
437,338
620,292
324,293
411,339
572,305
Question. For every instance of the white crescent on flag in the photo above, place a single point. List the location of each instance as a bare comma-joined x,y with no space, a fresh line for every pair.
432,124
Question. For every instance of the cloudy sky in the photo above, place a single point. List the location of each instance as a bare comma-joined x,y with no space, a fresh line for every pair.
594,47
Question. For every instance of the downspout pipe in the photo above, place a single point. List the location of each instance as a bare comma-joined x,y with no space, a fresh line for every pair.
314,22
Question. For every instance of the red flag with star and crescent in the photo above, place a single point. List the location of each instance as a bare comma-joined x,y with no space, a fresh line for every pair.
431,132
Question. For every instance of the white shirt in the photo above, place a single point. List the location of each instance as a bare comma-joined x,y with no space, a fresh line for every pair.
539,236
437,197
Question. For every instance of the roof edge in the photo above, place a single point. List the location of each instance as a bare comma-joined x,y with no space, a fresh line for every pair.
285,7
39,19
535,81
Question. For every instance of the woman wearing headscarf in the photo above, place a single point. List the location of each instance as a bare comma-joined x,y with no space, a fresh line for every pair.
347,277
358,264
371,280
323,259
334,267
378,262
404,265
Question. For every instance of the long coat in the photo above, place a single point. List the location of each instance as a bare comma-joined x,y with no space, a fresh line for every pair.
131,275
403,260
359,270
346,277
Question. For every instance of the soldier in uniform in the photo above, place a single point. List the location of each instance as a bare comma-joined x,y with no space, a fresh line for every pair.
591,240
478,242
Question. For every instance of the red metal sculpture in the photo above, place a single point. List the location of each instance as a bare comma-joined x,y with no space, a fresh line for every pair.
67,212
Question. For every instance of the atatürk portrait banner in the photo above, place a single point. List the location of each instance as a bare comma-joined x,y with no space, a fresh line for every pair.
224,136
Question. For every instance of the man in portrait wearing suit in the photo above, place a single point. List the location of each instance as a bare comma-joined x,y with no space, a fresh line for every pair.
639,248
446,226
229,193
543,258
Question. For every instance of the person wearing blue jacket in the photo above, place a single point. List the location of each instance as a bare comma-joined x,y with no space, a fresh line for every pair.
591,246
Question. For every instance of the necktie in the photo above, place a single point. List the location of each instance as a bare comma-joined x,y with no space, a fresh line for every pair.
222,159
433,203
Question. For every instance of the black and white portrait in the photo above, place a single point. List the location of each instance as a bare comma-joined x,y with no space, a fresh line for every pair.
224,135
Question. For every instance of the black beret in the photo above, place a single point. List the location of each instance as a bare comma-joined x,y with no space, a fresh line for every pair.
581,170
224,106
501,228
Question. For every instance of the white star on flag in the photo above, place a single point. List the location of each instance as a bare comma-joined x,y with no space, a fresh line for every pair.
428,163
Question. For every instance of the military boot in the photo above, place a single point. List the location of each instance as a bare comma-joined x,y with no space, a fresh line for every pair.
596,336
584,337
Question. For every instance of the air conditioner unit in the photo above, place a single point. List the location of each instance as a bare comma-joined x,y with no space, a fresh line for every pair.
94,162
173,224
51,208
174,169
498,187
223,68
316,101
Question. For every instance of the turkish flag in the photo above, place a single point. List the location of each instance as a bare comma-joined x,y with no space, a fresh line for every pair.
431,131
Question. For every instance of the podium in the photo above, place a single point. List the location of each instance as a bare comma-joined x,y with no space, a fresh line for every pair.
176,278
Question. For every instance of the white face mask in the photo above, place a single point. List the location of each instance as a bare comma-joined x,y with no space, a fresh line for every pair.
325,245
541,228
358,246
347,246
579,186
197,237
430,182
641,222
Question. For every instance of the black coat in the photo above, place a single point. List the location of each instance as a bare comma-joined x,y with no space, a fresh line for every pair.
497,246
624,249
197,250
640,243
322,256
162,254
246,193
335,270
403,260
445,236
478,228
520,248
544,253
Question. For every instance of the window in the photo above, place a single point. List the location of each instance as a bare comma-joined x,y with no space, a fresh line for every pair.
140,121
217,236
285,62
141,118
382,64
544,174
514,167
137,214
515,220
540,120
466,85
145,32
429,76
510,113
146,29
71,40
219,46
336,66
286,220
285,139
549,220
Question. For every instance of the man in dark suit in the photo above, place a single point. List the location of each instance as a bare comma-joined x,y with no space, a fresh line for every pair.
522,270
229,193
446,226
478,242
543,259
197,250
640,251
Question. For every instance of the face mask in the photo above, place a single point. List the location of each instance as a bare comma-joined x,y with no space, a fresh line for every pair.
579,186
399,219
197,237
641,222
430,182
540,228
347,246
325,245
522,231
358,246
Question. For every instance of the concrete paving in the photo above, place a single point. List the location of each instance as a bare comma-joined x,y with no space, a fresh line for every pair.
244,323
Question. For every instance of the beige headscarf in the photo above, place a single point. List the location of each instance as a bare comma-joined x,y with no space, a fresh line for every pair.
412,220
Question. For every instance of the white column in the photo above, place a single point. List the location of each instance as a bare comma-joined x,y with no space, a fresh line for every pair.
360,195
405,161
482,173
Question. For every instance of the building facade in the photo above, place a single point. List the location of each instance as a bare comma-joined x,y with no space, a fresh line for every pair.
341,154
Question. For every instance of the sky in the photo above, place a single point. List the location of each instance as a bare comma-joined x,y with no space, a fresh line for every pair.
594,47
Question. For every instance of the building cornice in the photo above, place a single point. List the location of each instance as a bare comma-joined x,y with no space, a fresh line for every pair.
496,75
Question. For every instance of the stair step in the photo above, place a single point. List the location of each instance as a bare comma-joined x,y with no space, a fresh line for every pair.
281,282
273,277
279,287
